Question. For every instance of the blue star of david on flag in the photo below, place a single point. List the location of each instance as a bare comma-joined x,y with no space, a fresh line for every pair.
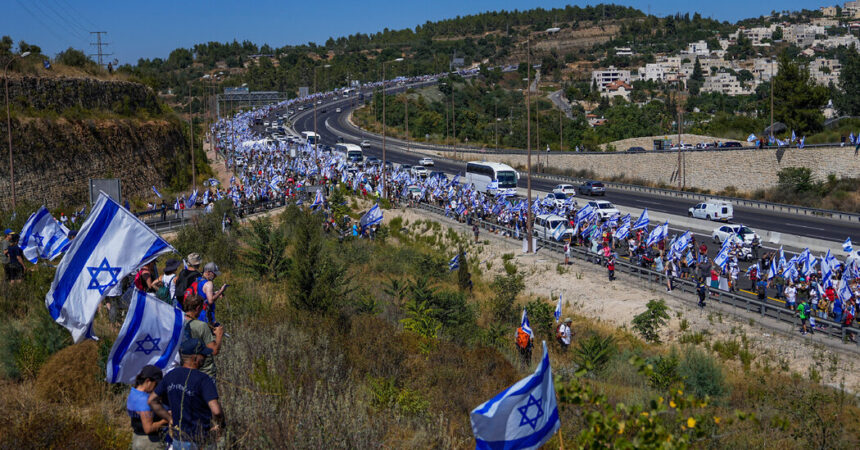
39,240
524,411
147,349
95,276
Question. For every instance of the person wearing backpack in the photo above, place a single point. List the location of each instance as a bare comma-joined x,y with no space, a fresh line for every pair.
524,345
193,328
146,280
203,287
187,276
167,291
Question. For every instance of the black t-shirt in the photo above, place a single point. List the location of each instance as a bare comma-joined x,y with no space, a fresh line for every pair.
188,393
14,252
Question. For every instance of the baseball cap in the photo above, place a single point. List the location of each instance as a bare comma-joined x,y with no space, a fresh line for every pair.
193,259
194,347
7,231
212,267
151,372
567,320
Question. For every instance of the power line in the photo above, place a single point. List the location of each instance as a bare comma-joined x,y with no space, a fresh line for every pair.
83,16
99,44
59,21
39,19
71,16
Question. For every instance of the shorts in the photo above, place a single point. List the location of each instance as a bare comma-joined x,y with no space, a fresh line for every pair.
14,272
715,284
803,321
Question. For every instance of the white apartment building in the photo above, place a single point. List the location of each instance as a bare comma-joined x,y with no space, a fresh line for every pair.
835,41
763,68
699,48
602,78
725,83
851,10
825,71
802,35
757,34
623,51
828,11
653,72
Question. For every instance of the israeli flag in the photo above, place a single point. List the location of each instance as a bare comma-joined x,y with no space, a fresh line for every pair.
192,200
150,335
156,191
111,244
642,221
524,322
558,232
454,263
722,257
318,199
372,217
523,416
802,142
557,313
585,213
844,291
751,137
793,136
773,270
657,234
43,237
493,186
847,246
517,229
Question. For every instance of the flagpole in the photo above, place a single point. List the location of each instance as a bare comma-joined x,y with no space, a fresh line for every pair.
560,440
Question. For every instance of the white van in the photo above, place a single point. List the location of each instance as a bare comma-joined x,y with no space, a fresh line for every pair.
712,211
545,224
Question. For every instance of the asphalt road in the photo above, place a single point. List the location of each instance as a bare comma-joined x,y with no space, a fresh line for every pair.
757,219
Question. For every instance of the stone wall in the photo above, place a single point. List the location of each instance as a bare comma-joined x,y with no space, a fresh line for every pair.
29,94
54,159
746,170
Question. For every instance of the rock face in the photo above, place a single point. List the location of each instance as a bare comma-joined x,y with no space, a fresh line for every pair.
54,156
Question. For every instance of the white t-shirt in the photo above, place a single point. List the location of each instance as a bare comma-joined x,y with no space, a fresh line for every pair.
170,281
790,294
564,330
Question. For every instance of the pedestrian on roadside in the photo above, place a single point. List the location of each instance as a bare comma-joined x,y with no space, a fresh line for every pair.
476,231
211,335
803,314
186,276
790,295
563,334
524,342
610,267
701,291
15,266
192,398
567,252
148,430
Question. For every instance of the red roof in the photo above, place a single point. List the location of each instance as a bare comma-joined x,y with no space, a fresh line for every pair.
618,84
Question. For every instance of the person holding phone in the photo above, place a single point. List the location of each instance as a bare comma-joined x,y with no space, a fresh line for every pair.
207,291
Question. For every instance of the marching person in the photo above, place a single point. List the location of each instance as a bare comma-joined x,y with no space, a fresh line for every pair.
524,343
148,430
563,334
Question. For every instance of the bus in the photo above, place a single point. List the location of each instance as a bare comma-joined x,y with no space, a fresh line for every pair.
310,137
353,152
482,173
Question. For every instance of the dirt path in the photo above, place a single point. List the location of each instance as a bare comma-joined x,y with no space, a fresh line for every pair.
587,292
218,165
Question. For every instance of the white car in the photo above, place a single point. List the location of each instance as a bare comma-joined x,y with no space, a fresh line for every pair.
365,143
712,211
604,208
559,198
740,233
414,192
426,161
545,224
419,171
337,110
566,189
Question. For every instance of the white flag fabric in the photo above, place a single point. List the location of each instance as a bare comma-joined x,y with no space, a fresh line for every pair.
642,221
847,246
150,335
523,416
110,245
557,312
43,237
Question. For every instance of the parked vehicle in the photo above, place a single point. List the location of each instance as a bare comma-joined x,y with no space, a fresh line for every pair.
712,211
592,187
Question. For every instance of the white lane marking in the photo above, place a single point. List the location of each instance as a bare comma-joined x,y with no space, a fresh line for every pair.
811,228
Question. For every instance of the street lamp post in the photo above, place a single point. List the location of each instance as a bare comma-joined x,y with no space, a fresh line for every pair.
529,144
9,126
316,136
384,187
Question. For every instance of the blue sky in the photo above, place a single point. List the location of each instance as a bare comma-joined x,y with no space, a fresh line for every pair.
153,28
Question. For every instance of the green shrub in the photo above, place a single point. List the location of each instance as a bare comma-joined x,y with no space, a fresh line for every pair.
648,323
703,376
665,374
505,289
593,352
541,318
266,253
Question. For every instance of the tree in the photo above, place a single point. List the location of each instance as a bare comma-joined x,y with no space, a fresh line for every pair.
848,102
74,58
777,34
697,72
648,323
464,278
797,100
317,282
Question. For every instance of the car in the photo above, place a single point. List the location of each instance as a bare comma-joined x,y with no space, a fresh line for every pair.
636,150
567,189
337,110
559,198
604,208
319,102
741,233
420,171
592,187
545,224
301,108
373,161
267,124
414,191
322,110
731,144
425,161
389,165
712,211
439,174
365,143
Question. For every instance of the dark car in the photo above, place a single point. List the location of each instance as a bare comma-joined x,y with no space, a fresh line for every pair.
636,150
438,174
592,188
731,144
373,161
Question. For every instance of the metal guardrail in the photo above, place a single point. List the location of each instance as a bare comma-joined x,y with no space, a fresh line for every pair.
736,300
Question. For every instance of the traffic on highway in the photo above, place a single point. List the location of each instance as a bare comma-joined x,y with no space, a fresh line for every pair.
278,163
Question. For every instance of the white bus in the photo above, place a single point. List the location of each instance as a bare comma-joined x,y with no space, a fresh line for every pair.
310,137
482,173
353,152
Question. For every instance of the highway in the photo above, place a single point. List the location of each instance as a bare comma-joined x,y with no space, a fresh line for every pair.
332,125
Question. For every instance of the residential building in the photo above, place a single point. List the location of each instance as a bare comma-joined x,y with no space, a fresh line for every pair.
838,41
617,88
724,83
828,11
757,34
802,35
851,10
623,51
825,71
763,68
699,48
825,22
602,78
653,72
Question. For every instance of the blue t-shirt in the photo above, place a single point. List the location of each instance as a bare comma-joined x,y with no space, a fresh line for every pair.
191,414
14,252
136,404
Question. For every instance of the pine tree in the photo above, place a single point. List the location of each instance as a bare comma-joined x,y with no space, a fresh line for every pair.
797,100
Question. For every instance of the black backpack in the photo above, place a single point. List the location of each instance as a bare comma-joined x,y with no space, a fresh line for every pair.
183,280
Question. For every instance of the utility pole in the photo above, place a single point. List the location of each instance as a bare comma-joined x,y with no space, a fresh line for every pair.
100,54
529,144
191,128
406,102
680,146
772,85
